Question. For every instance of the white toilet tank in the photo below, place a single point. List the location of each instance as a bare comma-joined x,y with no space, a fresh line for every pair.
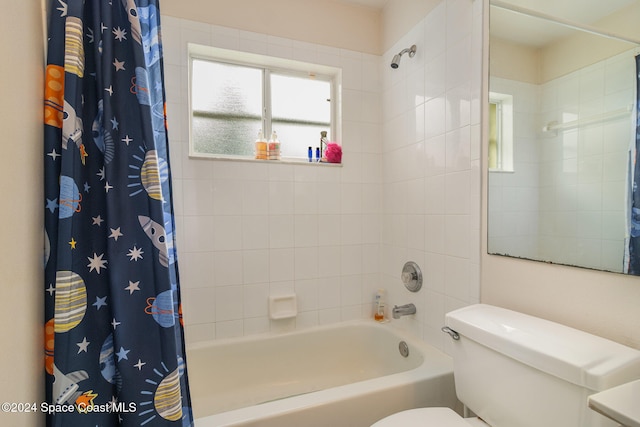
515,370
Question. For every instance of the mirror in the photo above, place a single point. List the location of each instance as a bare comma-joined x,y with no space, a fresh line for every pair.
562,130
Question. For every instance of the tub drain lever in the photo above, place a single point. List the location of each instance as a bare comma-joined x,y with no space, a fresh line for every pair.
451,332
404,349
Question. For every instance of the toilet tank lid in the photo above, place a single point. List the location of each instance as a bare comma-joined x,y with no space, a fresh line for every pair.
572,355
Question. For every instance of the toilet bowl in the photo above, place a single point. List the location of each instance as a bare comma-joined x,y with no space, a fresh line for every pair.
428,417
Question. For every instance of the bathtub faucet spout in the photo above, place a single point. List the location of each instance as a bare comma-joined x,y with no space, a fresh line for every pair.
403,310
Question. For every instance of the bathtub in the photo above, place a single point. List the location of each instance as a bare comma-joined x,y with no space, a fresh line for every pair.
349,374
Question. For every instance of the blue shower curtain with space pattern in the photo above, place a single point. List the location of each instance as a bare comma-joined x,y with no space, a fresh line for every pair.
632,262
114,346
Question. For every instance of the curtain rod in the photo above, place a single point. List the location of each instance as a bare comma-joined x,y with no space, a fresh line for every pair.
621,112
564,22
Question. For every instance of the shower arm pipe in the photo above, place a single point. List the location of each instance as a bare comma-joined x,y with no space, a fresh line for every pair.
410,50
564,22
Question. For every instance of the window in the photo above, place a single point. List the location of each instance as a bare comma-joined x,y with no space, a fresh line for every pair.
226,108
235,95
500,132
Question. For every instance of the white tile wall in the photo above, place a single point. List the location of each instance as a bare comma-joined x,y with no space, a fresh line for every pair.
409,189
588,189
574,213
431,165
248,230
513,196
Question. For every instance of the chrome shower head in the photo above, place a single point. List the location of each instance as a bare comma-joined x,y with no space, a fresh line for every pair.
395,62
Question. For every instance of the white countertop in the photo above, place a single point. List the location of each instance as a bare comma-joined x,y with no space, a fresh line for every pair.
621,404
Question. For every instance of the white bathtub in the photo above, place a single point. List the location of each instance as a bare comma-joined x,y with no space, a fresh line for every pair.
350,374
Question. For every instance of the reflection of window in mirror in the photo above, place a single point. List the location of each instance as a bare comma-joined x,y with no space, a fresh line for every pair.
500,132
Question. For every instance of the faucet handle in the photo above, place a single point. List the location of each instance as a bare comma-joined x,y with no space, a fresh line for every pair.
411,276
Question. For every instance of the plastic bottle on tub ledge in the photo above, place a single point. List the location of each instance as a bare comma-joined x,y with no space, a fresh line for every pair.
323,144
261,147
379,305
274,147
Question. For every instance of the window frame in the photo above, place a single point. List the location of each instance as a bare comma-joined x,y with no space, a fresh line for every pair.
504,132
268,65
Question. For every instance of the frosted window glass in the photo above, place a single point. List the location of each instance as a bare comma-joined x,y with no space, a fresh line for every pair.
227,108
295,139
299,99
231,102
224,136
300,110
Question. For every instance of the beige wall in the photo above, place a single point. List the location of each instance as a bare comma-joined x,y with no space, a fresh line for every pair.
514,61
531,65
399,16
569,54
329,23
605,304
21,83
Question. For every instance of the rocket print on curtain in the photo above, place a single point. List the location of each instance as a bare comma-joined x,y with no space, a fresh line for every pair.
114,345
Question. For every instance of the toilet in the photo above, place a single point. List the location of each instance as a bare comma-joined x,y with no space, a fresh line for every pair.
515,370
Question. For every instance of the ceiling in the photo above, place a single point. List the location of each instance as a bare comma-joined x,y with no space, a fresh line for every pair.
537,32
533,31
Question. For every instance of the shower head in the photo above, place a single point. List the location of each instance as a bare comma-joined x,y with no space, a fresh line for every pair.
395,62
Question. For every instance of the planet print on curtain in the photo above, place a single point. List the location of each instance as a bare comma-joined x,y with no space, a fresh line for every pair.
114,338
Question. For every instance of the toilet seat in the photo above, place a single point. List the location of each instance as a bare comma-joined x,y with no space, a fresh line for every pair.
427,417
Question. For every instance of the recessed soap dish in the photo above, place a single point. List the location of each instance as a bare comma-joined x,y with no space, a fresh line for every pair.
283,307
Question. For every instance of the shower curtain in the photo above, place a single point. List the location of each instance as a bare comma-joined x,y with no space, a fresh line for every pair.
632,253
114,345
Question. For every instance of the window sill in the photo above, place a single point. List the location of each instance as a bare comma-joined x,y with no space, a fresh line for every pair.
285,161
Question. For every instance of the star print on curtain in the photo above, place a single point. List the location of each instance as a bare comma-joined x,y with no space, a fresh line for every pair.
114,345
